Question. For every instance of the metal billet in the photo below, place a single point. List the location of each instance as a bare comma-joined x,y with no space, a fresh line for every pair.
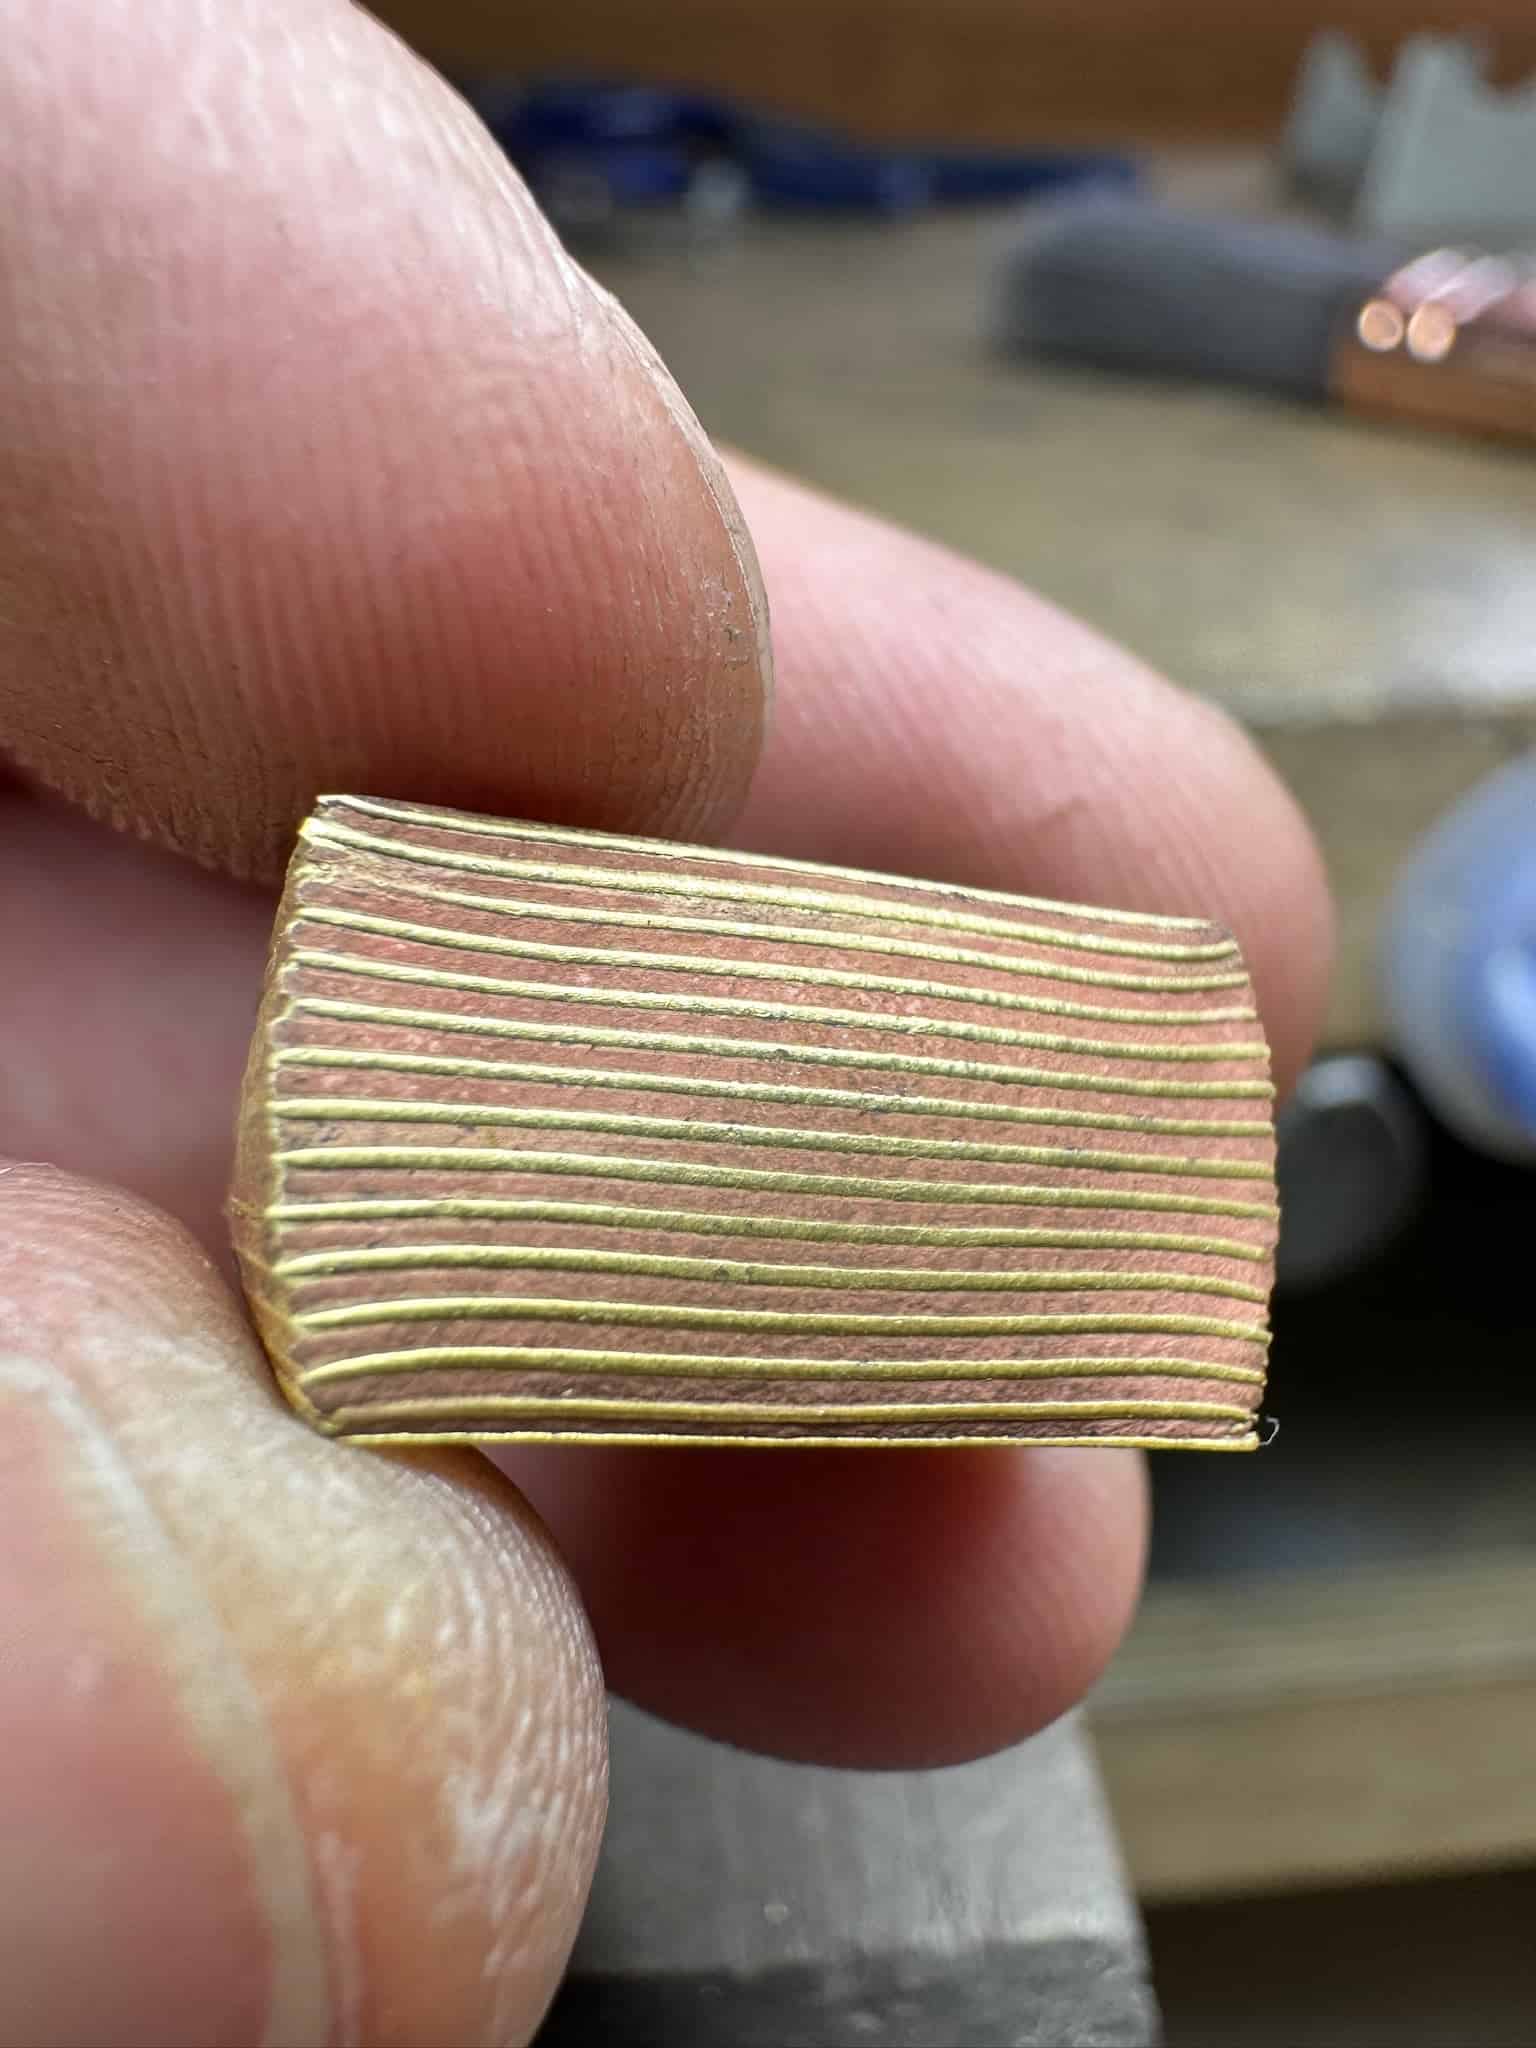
554,1135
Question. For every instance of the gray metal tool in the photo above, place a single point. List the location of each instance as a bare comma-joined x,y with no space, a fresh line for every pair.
745,1903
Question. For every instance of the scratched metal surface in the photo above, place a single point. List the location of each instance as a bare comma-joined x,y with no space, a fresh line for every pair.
746,1903
448,1220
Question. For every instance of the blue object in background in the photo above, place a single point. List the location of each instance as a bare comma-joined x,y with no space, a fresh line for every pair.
605,147
791,164
1459,964
587,151
963,177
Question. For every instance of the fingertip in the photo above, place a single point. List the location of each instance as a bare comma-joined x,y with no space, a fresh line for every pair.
935,718
1220,835
903,1609
329,457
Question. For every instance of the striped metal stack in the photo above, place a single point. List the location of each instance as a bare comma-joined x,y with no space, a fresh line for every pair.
549,1134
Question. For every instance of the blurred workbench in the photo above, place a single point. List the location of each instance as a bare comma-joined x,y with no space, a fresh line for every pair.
1363,597
1334,1676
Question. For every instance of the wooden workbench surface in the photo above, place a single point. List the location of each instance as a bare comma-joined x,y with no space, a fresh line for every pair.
1365,598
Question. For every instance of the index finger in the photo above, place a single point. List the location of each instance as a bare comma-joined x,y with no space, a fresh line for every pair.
324,467
573,648
935,719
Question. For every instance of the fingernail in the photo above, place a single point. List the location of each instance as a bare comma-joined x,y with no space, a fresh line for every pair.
711,470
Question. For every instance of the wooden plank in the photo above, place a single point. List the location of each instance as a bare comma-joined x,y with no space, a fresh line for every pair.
1278,1731
983,70
1406,1965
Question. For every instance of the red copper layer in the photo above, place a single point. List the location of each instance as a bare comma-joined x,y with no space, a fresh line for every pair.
550,1134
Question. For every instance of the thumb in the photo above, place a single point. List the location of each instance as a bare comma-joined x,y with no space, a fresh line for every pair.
324,466
295,1747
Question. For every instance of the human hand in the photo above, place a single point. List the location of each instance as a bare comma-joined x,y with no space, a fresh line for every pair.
324,468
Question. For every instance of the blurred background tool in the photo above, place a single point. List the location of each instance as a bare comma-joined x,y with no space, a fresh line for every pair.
1458,961
596,153
1447,340
1336,114
1437,151
1352,1168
